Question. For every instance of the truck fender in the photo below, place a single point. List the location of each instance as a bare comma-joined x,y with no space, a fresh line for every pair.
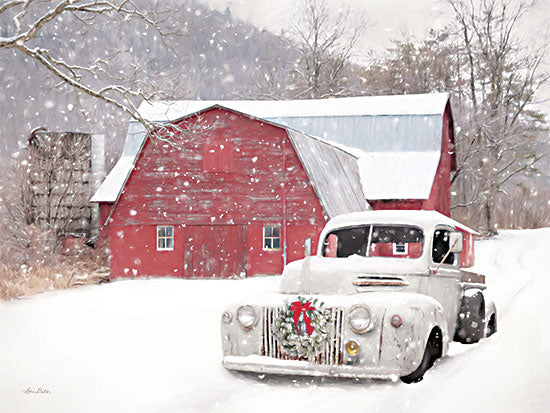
428,316
490,318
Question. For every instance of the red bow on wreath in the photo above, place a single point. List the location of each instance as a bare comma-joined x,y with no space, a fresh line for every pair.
298,308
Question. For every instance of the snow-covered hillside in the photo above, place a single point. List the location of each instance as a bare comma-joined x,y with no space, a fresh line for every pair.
154,346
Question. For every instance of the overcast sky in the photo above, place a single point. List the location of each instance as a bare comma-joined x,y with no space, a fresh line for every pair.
387,19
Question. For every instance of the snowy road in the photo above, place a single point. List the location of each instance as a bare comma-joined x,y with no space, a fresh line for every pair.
154,346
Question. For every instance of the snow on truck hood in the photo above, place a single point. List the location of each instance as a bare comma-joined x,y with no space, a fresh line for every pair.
328,276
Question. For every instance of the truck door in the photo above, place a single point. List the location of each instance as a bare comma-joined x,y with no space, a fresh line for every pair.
443,283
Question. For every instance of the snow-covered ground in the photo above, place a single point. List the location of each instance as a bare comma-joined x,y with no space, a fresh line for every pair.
154,346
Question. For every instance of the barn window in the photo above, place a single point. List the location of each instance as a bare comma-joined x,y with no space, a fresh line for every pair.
272,237
165,238
400,248
217,156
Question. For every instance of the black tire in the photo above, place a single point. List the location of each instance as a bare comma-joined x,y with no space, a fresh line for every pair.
431,353
470,325
491,325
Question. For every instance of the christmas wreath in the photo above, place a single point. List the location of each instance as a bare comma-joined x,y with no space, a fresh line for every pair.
302,328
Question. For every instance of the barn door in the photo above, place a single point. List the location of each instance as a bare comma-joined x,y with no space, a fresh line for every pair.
214,251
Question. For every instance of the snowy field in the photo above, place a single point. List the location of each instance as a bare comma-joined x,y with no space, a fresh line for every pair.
154,346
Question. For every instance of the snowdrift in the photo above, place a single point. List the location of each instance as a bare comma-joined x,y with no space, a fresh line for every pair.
154,346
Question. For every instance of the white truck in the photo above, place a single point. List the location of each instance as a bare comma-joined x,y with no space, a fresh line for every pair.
383,298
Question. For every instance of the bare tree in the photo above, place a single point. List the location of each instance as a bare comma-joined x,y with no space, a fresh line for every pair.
326,43
502,73
274,79
21,241
27,30
321,45
410,66
492,74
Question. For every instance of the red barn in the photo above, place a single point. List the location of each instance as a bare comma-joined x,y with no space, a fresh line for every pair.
241,198
251,191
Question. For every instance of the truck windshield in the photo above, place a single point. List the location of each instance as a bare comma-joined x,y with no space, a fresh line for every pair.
394,241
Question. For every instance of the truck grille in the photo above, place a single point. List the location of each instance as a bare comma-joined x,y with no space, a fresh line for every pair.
332,353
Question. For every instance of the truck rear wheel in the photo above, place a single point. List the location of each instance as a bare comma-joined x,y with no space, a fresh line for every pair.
470,325
432,352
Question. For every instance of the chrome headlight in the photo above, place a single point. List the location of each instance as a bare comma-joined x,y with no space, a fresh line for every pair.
359,319
246,315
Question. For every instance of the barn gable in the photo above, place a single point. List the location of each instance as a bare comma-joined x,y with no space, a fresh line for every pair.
331,170
175,183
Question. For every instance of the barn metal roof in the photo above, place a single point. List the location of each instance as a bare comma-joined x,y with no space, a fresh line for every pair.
333,172
371,123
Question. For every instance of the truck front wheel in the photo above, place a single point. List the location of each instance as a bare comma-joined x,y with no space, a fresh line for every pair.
432,352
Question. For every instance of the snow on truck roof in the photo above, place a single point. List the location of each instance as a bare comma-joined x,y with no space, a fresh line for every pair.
412,217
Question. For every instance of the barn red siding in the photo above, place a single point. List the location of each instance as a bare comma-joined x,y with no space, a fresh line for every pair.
440,196
408,204
467,256
171,186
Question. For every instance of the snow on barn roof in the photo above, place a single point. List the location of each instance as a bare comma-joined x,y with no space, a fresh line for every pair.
113,184
398,175
422,104
394,175
332,171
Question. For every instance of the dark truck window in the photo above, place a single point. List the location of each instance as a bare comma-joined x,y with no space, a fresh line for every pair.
441,247
396,241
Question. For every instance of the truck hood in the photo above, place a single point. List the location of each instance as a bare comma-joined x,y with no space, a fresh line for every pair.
352,275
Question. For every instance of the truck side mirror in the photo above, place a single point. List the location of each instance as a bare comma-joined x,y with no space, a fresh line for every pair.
455,242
